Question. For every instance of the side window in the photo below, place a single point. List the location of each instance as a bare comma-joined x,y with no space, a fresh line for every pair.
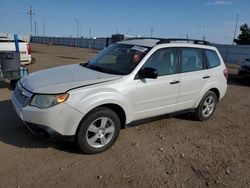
213,59
164,61
191,60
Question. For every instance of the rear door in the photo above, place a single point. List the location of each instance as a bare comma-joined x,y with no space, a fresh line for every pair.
194,79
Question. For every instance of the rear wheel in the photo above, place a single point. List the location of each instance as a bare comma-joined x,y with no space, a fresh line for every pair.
207,106
98,131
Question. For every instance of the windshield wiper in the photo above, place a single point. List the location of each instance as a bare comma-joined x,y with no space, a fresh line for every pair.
93,67
100,69
84,64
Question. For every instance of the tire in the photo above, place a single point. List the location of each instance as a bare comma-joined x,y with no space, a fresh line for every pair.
98,131
13,83
206,106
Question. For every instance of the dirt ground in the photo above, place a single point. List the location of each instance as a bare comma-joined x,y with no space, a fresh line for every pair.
171,152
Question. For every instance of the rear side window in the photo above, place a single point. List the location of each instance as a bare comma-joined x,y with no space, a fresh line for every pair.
213,59
191,59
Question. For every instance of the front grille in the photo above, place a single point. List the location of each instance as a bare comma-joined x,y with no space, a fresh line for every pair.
22,96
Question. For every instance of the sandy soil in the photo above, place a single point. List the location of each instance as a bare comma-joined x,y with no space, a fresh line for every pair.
171,152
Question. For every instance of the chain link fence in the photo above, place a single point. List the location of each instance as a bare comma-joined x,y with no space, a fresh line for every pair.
98,43
232,54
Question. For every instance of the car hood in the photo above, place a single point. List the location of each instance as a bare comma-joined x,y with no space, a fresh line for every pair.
63,78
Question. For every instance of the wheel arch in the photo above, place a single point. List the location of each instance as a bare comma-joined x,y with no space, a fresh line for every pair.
216,91
213,89
115,107
118,110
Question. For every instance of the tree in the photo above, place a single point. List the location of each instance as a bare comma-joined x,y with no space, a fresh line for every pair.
244,36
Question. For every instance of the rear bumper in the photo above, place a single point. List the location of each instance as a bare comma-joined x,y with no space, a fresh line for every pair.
25,59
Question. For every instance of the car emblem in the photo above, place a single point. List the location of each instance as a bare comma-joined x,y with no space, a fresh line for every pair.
23,93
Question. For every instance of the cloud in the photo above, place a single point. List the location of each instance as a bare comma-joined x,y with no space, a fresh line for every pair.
219,3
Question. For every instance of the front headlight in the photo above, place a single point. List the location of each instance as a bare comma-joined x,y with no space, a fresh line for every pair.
46,101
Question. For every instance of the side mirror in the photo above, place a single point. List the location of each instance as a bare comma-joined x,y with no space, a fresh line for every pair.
148,72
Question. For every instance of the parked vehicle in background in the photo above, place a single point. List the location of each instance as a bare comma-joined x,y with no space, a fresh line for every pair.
244,70
129,81
7,44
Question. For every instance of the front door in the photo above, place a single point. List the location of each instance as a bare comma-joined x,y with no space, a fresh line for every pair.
158,96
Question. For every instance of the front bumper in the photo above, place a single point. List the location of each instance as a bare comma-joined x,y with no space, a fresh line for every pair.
58,120
47,132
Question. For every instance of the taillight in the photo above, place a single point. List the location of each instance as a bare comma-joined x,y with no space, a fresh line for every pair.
225,72
28,48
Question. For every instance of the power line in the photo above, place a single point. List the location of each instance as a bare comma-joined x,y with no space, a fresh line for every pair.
31,14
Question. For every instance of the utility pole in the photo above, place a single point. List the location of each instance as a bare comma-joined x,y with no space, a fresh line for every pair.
236,25
151,32
204,30
80,31
43,28
43,32
35,28
31,14
90,33
77,27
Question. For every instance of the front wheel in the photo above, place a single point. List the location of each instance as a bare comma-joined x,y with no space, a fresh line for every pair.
207,106
13,83
98,131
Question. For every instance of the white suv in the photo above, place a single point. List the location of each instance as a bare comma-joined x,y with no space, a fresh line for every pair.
128,81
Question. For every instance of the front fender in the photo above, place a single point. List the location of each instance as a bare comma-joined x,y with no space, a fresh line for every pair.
92,99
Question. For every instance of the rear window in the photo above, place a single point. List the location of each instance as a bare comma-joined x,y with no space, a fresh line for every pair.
213,59
191,60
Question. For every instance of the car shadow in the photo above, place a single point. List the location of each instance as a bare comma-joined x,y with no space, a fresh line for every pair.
13,132
233,79
186,116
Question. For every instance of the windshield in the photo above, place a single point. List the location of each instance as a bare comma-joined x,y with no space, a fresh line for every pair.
118,59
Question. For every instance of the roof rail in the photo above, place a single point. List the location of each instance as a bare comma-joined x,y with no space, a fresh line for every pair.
169,40
195,41
141,38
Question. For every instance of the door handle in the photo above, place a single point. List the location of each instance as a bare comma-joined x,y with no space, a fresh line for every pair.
175,82
206,77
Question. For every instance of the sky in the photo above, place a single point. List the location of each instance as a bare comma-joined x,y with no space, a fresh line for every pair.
214,19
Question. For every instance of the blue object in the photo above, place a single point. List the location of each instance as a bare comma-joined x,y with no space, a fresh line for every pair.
23,72
16,42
